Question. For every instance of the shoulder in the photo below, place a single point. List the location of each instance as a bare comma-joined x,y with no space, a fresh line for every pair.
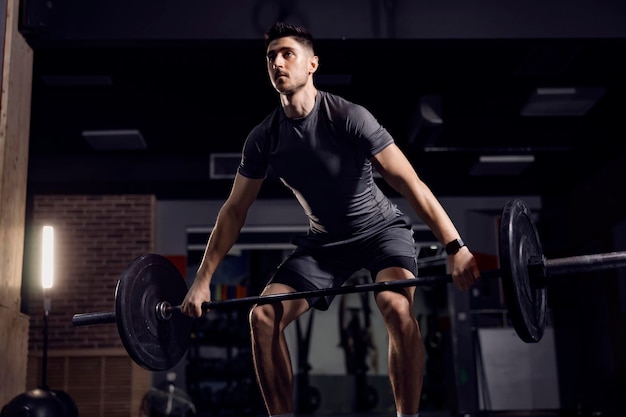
336,102
263,128
357,122
339,107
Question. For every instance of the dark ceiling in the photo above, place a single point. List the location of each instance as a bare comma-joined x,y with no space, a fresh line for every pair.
447,102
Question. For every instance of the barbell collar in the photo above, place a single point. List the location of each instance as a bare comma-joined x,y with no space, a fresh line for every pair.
537,272
164,310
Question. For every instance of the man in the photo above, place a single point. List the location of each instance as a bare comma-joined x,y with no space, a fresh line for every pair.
323,148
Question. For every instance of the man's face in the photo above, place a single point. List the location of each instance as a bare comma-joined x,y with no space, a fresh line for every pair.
289,64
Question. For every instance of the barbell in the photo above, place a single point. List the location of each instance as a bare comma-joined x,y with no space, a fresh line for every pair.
157,335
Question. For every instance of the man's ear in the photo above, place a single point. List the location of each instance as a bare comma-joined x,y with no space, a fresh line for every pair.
314,64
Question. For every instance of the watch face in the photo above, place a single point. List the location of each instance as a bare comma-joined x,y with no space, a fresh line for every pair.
454,246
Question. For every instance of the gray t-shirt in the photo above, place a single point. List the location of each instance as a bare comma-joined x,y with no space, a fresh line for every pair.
324,158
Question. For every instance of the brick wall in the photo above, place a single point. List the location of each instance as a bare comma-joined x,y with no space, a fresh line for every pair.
96,238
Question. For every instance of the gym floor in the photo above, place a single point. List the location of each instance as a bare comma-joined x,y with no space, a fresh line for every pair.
532,413
442,414
529,413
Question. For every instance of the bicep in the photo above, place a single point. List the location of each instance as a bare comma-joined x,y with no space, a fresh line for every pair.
243,193
400,174
394,167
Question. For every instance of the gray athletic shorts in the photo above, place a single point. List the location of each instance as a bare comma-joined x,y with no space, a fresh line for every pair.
311,267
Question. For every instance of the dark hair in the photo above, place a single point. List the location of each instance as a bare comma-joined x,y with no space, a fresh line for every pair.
281,30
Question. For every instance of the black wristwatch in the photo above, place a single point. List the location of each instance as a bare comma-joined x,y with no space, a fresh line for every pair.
454,246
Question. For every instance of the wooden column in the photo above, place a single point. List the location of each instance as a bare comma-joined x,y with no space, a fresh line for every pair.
15,99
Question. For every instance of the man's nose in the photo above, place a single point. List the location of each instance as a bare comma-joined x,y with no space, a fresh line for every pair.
278,62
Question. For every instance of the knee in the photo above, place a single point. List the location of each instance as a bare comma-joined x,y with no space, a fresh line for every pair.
396,308
263,317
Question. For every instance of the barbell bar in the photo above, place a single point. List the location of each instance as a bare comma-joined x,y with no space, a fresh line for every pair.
157,335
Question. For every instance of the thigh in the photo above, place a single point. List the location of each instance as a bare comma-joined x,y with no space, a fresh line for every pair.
303,271
394,273
288,310
391,254
389,298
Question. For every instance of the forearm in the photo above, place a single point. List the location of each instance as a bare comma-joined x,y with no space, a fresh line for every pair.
429,210
222,238
400,175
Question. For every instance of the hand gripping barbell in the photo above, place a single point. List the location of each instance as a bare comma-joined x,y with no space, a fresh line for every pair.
157,335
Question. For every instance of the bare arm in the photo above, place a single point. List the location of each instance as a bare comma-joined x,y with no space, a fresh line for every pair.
230,220
398,172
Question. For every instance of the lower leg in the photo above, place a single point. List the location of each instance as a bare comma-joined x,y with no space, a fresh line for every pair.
406,351
406,368
274,373
270,354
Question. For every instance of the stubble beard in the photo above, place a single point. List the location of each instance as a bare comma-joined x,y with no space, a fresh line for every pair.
288,88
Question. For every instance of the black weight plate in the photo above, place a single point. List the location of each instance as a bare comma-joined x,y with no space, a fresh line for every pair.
519,242
155,344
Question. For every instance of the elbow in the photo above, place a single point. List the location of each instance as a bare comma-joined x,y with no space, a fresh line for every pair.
409,188
236,213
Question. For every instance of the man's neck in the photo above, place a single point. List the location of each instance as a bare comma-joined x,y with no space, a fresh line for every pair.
299,104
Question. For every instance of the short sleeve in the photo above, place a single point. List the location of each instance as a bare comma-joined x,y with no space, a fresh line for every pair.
253,162
371,136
